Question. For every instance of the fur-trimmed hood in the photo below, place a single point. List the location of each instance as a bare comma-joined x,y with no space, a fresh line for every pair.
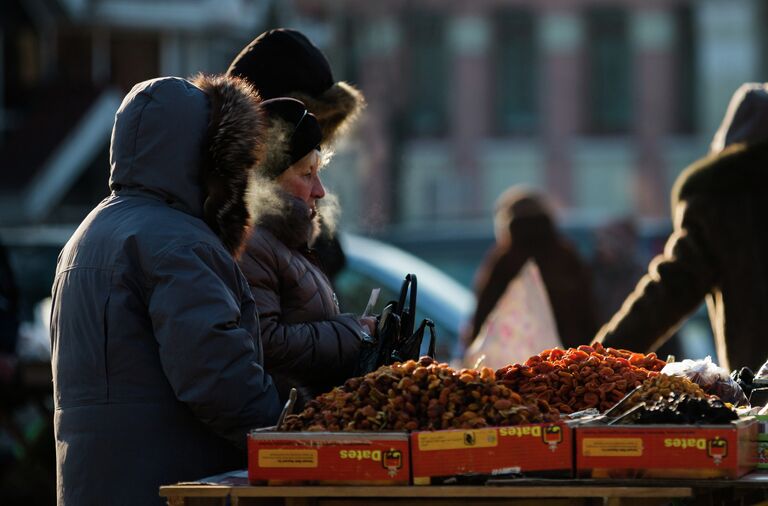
193,144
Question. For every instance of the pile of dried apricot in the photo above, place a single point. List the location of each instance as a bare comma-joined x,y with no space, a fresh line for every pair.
580,378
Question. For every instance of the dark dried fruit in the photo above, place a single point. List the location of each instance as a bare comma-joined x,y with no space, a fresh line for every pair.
421,395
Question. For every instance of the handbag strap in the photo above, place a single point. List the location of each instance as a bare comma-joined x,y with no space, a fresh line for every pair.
431,325
408,290
412,347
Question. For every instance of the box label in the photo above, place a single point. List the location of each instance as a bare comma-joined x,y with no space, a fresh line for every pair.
529,448
762,454
612,447
667,451
329,458
288,458
456,440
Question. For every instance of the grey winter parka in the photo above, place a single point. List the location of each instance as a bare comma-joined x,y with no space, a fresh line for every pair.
156,352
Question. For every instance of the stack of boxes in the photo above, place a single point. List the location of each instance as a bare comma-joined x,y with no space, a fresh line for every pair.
561,450
762,441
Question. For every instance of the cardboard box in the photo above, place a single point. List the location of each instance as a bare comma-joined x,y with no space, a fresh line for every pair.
762,441
666,451
540,449
279,458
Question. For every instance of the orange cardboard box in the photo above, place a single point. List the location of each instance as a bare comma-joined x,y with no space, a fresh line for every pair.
543,449
279,458
666,451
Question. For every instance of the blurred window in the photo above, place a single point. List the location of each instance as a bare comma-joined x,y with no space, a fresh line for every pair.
428,73
685,99
74,48
516,72
609,63
346,52
21,66
763,21
135,57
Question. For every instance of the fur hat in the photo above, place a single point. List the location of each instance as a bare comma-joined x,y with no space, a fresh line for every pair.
283,62
292,132
746,119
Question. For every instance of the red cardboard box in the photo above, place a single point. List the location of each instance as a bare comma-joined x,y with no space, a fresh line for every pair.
666,451
534,448
328,458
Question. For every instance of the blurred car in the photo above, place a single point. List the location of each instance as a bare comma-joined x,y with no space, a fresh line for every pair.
375,264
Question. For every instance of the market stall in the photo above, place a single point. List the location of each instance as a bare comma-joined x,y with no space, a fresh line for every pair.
587,425
234,487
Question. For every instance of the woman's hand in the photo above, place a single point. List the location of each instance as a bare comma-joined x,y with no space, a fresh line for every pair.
369,324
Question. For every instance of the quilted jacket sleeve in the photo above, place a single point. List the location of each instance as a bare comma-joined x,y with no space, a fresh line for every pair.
311,348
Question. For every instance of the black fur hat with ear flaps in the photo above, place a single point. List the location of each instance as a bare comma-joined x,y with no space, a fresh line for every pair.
284,63
234,145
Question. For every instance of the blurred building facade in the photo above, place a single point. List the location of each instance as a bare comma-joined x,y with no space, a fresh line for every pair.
598,103
66,65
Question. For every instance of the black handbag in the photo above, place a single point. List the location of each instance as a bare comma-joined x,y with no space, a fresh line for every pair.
410,349
395,339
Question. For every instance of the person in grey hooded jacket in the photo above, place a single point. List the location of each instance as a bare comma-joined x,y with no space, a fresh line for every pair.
717,251
157,359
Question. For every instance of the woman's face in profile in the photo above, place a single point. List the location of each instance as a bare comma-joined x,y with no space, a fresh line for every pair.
302,180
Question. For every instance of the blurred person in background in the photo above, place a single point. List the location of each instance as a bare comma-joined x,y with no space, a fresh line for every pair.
717,250
9,305
525,229
9,331
157,359
285,63
615,265
9,318
308,343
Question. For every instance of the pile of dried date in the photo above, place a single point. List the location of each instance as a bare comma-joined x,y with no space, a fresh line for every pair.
580,378
664,387
423,395
675,399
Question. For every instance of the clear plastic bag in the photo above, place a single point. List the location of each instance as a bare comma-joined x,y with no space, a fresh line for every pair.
520,325
762,374
712,378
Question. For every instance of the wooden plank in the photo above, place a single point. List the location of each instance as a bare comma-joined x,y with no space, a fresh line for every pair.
635,501
194,490
404,501
459,491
